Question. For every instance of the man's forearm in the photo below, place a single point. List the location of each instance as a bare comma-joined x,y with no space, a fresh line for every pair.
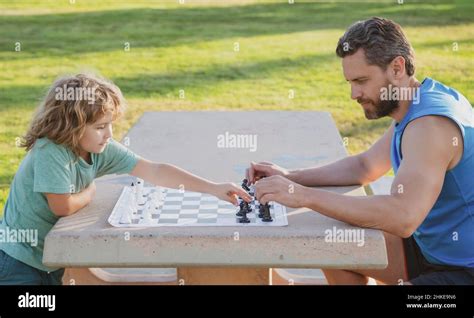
346,171
383,212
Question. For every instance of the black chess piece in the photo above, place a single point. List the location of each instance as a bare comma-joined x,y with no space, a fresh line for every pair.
244,219
241,210
245,186
248,207
243,213
260,210
267,217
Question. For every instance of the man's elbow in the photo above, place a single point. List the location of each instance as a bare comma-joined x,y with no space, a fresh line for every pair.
409,224
405,221
405,232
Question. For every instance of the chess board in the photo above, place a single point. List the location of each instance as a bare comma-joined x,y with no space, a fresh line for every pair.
183,208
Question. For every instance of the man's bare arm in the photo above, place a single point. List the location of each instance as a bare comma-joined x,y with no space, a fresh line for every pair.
428,152
427,149
358,169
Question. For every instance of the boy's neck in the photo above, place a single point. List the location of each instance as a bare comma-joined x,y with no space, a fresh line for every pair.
86,156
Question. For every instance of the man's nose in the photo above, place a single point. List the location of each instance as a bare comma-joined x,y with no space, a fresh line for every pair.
355,93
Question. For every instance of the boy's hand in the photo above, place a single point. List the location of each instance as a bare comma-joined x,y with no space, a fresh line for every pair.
264,169
230,192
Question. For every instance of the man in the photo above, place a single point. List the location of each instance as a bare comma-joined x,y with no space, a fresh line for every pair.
429,213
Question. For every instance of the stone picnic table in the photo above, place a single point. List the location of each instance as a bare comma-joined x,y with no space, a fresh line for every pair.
207,144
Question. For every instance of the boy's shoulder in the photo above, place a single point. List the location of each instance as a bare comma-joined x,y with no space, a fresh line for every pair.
46,142
45,145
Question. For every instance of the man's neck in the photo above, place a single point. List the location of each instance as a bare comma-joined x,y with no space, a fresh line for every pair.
404,105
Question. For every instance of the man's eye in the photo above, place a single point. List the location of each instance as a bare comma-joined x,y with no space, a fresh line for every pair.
101,127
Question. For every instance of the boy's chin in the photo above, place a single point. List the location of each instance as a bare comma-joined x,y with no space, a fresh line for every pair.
99,150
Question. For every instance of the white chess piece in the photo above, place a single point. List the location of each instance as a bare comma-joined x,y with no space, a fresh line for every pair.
133,203
125,217
139,191
158,197
128,210
152,203
147,215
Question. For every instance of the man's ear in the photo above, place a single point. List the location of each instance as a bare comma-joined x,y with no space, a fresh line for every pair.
397,68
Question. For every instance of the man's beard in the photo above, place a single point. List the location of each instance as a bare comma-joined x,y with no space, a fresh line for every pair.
381,109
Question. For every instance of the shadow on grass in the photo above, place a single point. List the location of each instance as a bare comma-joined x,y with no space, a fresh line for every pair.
144,85
99,31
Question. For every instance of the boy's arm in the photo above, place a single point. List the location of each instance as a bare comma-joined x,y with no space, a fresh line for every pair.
170,176
67,204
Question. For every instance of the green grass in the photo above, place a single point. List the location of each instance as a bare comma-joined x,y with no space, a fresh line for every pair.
191,47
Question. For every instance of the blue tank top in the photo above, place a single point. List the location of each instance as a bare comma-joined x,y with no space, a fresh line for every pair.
446,236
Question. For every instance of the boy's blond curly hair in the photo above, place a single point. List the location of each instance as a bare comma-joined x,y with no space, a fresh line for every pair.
64,113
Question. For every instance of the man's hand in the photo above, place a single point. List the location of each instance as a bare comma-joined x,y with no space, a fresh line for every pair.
264,169
230,192
280,189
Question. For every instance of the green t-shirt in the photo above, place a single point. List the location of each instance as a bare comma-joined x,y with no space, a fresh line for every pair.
50,168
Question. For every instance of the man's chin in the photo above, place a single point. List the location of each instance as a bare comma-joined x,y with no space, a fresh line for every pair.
371,115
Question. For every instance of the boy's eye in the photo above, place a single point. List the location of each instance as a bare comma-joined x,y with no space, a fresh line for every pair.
101,127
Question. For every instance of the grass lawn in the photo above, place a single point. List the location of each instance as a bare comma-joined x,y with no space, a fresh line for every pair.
191,47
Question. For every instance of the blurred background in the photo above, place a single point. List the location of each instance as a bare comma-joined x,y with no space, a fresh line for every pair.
214,55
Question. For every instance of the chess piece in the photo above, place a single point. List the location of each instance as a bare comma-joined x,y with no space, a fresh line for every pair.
139,191
147,215
260,210
244,209
158,197
241,210
244,219
132,204
125,217
245,185
267,217
247,207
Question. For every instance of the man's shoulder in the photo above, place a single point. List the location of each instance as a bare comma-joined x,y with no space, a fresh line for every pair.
432,125
433,135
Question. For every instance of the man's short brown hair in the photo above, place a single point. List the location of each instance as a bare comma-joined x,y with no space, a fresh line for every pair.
382,41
